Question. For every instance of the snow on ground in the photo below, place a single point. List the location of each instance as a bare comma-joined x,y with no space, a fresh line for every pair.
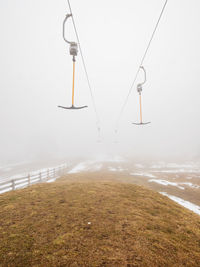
36,172
112,169
83,166
117,169
86,166
190,167
178,171
165,183
184,203
97,164
9,167
191,185
143,174
158,165
4,190
20,184
51,180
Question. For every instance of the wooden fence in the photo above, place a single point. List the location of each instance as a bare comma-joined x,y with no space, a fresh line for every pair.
32,178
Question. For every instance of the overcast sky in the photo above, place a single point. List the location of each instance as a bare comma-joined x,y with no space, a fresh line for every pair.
36,76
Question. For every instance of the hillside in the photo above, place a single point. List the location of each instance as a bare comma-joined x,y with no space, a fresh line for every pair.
92,219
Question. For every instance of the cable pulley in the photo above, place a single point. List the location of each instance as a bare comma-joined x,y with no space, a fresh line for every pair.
73,50
139,90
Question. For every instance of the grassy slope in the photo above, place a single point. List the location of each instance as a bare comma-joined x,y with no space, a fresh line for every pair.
47,225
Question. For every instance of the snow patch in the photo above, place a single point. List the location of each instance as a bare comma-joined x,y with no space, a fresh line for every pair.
112,169
118,169
86,166
159,165
51,180
166,183
83,166
184,203
23,182
191,185
36,172
144,174
95,165
5,190
178,171
188,165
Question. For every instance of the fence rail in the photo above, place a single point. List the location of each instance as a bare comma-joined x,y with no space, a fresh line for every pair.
32,178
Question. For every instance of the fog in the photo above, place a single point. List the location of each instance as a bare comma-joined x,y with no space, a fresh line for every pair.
36,77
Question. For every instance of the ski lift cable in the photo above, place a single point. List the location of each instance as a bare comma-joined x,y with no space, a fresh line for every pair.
85,68
141,64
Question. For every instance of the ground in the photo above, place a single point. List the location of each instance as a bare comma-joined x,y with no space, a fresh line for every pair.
95,219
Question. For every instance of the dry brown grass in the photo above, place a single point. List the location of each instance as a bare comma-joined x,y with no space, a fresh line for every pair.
47,225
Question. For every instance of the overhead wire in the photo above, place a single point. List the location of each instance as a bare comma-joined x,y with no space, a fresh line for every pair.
141,63
85,69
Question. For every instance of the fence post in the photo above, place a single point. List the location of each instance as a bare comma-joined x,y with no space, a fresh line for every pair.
54,173
47,173
40,177
29,179
13,185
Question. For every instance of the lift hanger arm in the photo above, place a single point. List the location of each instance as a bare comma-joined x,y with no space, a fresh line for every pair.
145,75
64,22
139,89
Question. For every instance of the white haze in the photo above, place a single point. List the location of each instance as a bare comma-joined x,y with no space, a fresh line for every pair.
36,72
